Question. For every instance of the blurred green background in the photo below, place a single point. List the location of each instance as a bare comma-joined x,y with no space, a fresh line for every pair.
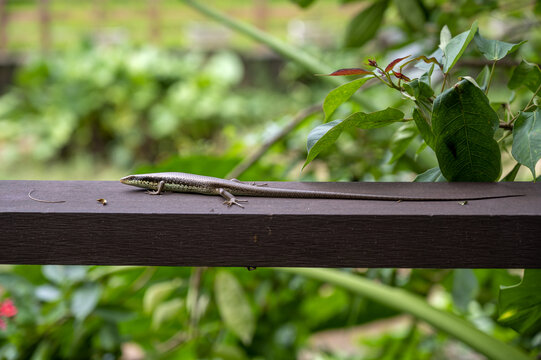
106,88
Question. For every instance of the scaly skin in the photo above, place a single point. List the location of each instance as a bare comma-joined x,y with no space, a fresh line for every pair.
183,182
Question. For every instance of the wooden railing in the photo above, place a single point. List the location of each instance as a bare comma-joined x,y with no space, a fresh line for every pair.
197,230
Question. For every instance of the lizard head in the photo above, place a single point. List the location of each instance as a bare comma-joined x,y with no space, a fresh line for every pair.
129,180
143,181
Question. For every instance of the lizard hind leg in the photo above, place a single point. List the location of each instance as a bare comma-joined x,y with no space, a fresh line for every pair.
230,199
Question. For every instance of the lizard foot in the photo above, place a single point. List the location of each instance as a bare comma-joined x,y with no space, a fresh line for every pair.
155,192
234,201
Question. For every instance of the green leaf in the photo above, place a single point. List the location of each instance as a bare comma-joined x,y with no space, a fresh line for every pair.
341,94
60,274
323,136
465,288
512,174
412,13
527,139
401,140
224,351
424,128
405,301
464,124
48,293
43,351
456,47
303,3
84,300
166,311
157,293
234,307
520,305
527,74
431,175
109,337
483,78
494,49
364,26
419,88
445,37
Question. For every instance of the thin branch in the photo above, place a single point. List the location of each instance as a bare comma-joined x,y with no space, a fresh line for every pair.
532,99
528,105
295,54
490,77
506,126
250,160
443,83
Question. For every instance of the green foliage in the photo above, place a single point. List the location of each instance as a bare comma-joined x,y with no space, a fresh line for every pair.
493,49
401,140
325,135
520,305
431,175
412,12
303,3
464,125
455,47
138,105
125,104
397,298
234,307
465,288
84,300
526,74
365,24
459,123
341,94
527,139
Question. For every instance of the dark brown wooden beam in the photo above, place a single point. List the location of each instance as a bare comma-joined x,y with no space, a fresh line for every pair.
197,230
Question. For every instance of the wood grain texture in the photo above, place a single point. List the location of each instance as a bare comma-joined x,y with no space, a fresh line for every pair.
197,230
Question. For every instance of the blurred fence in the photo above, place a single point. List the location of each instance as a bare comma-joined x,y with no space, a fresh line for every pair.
149,12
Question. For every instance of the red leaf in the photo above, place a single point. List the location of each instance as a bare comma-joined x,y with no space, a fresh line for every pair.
401,76
394,62
351,71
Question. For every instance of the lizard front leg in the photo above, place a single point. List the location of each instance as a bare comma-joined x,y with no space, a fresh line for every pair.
158,191
230,199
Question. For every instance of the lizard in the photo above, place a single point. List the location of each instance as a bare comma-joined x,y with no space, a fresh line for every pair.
157,183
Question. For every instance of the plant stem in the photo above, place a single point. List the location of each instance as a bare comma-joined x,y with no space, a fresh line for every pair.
443,84
252,159
404,301
527,107
506,126
490,77
292,53
533,97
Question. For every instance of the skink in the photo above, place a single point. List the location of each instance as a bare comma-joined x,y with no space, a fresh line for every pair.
157,183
